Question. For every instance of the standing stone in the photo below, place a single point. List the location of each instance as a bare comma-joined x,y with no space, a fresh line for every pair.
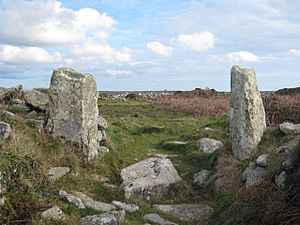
247,114
73,110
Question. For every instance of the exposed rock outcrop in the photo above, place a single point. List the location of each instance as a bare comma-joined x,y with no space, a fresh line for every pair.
247,114
37,99
149,179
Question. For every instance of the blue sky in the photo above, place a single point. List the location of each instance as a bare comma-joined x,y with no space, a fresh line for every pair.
150,45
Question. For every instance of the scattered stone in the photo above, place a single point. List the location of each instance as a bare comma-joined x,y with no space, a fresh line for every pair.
21,107
253,175
110,185
187,212
201,177
103,149
32,115
120,122
73,110
55,173
289,128
17,101
282,149
247,114
163,156
280,180
72,199
2,201
37,99
12,93
174,144
53,213
149,179
287,164
90,203
39,124
209,145
5,130
111,218
262,160
102,124
8,115
127,207
208,128
154,218
100,178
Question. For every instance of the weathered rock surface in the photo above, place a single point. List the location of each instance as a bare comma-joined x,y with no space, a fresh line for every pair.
103,149
154,218
262,160
5,130
90,203
280,179
2,200
111,218
39,124
247,114
53,213
8,94
187,212
8,115
72,199
37,99
289,128
126,207
149,179
55,173
253,175
201,177
73,110
209,145
102,124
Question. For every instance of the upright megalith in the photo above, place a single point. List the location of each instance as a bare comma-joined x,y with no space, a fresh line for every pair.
73,110
247,114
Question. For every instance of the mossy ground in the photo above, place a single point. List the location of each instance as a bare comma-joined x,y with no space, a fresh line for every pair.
143,135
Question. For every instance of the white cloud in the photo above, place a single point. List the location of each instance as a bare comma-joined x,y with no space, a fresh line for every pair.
197,41
295,52
116,73
159,48
241,56
103,52
38,23
17,55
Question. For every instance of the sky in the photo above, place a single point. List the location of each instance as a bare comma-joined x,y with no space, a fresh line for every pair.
150,44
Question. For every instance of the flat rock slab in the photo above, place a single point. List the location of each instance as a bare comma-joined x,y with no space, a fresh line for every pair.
187,212
53,213
57,172
149,179
111,218
154,218
126,207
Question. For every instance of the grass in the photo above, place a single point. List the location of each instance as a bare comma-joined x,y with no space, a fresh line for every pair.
147,127
148,130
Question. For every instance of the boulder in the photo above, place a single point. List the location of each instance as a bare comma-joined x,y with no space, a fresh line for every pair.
186,212
201,177
53,213
154,218
5,130
55,173
149,179
262,160
73,110
253,175
247,114
11,93
209,145
103,149
37,99
111,218
282,149
127,207
289,128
